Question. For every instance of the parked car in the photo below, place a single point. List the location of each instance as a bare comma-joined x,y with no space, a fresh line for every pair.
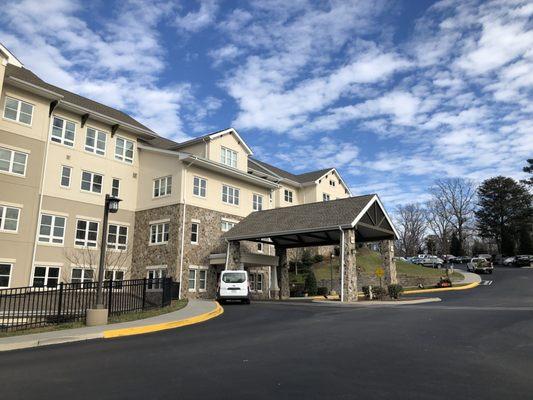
479,264
461,260
433,262
523,260
485,256
508,261
234,285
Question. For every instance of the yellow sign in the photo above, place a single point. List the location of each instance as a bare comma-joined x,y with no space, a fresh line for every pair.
379,272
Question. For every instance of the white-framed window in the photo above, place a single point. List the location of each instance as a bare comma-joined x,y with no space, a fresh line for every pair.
114,274
325,197
332,183
288,195
66,174
63,131
18,110
260,247
95,141
91,182
199,187
81,275
228,157
117,237
115,187
256,282
154,274
195,232
52,229
163,186
197,279
257,202
86,233
124,150
9,218
13,162
45,276
159,233
230,195
5,274
226,225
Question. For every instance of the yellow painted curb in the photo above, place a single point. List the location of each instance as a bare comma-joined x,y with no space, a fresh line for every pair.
465,287
139,330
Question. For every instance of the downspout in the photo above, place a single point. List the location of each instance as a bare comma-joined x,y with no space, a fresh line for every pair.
342,264
183,189
43,179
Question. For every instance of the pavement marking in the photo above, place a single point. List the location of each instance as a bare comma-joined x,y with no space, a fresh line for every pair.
485,283
139,330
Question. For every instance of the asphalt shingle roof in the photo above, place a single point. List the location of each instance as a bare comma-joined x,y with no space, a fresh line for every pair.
27,76
312,216
301,178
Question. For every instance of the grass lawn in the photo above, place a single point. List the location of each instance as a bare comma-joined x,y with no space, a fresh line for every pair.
368,261
176,305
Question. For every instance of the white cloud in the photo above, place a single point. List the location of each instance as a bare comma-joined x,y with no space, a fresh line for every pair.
194,21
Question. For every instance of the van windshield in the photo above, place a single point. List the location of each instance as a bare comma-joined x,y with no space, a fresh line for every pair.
234,277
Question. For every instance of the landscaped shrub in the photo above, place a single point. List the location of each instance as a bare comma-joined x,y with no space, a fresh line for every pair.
366,291
444,282
297,290
395,290
378,292
322,291
318,258
310,284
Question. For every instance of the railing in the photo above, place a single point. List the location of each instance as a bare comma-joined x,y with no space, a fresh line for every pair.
30,307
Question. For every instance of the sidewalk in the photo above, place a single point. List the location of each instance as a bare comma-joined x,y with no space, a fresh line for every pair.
469,277
194,312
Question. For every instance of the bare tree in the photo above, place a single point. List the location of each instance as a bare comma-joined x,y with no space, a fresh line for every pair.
411,221
439,225
456,197
87,257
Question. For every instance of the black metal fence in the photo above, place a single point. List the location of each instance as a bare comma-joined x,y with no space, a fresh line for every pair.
30,307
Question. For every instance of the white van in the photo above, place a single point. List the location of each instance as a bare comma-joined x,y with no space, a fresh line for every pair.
234,285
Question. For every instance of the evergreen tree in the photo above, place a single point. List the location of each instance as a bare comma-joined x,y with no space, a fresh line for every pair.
529,169
310,284
524,239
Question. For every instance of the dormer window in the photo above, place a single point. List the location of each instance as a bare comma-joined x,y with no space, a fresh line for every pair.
228,157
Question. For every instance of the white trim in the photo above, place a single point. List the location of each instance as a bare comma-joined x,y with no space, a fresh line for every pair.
17,121
95,148
11,163
161,266
365,209
159,221
8,204
11,268
8,260
124,159
196,221
92,219
14,148
62,166
239,138
63,131
234,221
91,182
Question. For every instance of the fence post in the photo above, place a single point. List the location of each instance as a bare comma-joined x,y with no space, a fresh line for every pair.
110,294
144,292
60,303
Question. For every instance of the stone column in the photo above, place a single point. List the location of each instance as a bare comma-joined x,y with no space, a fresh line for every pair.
389,264
274,288
233,255
350,266
283,266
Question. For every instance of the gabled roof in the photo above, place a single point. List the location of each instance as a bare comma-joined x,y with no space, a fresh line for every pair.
214,135
27,76
301,178
325,216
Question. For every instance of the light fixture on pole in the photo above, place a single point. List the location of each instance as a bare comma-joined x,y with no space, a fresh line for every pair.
331,257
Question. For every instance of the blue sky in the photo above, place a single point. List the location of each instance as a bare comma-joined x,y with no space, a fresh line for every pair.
393,93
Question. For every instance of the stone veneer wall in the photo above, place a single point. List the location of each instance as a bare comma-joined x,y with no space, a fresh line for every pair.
365,280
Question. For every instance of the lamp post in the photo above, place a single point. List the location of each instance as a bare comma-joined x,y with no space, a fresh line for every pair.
331,257
98,315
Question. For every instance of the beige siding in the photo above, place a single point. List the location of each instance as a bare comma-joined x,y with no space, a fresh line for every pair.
229,141
323,186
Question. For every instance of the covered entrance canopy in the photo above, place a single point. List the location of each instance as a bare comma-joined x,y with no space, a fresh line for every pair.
340,222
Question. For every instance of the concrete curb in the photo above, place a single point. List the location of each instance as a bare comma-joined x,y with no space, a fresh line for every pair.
140,330
366,304
448,289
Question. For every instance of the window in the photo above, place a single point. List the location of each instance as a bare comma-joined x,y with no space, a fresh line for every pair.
18,110
260,247
230,195
52,229
117,237
163,186
226,225
124,150
197,279
13,161
325,197
91,182
82,275
63,131
288,196
192,280
115,274
195,232
154,276
86,233
159,233
5,275
332,183
257,202
115,187
45,276
256,282
9,218
66,172
95,141
228,157
199,186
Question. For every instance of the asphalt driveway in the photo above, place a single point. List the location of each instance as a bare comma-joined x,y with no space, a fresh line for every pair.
476,344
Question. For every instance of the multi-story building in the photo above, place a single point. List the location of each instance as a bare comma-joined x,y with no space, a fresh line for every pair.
61,153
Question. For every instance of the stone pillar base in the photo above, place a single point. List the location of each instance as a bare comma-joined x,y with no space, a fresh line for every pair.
96,316
274,294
